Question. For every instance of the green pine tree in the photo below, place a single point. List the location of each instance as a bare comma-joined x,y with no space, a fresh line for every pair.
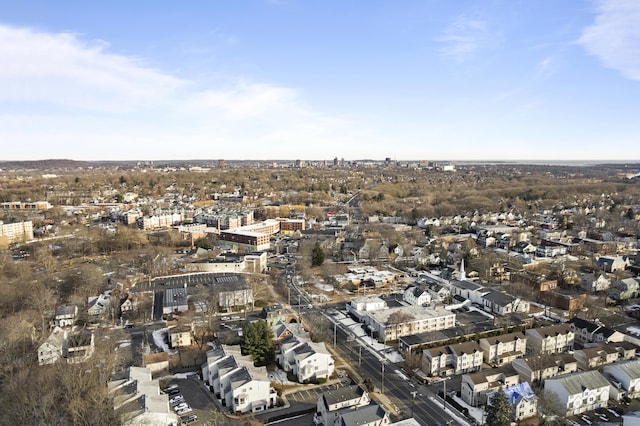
257,341
317,255
499,410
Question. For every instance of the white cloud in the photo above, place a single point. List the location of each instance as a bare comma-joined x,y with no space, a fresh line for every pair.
64,95
463,37
614,37
546,67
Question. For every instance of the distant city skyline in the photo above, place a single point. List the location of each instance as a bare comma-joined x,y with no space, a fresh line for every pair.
521,80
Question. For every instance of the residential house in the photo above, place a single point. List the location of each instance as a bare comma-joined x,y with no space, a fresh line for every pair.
417,296
594,284
439,292
476,387
180,335
369,415
332,403
51,350
588,332
551,251
524,247
237,384
306,360
536,368
550,339
522,399
65,315
247,392
503,349
590,358
500,303
622,290
98,305
613,263
578,392
452,359
625,379
273,314
138,400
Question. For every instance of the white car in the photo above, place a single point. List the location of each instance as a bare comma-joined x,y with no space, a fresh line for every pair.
183,411
181,406
176,398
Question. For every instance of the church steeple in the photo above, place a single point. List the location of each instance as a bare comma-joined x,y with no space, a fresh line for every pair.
462,275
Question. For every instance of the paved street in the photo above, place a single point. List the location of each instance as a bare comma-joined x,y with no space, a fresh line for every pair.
397,388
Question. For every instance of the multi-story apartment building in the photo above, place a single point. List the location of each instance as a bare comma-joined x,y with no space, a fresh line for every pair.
550,339
578,392
411,320
504,349
15,232
476,388
452,359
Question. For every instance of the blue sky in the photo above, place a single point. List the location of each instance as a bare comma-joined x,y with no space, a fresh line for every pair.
287,79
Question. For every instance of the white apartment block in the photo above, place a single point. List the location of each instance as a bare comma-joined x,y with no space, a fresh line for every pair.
16,232
418,320
579,392
504,349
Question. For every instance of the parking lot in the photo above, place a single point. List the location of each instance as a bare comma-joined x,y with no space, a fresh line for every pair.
198,397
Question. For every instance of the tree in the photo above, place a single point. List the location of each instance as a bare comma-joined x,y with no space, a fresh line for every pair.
397,319
317,255
257,341
499,410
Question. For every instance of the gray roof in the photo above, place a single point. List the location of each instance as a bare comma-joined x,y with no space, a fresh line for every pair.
510,337
575,383
343,394
363,415
631,368
499,298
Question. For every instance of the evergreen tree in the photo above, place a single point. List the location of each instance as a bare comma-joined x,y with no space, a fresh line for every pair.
317,255
499,410
257,341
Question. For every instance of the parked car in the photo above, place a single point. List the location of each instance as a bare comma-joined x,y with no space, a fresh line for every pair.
184,411
176,399
180,406
188,419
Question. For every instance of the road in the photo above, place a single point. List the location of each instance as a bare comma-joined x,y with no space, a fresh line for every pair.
398,389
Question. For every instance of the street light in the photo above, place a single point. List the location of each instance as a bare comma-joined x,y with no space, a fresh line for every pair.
413,401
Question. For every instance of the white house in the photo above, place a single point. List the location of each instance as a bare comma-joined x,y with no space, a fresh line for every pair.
476,388
136,389
522,399
65,315
416,296
332,403
98,305
246,393
50,351
578,392
306,360
369,415
237,384
625,378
